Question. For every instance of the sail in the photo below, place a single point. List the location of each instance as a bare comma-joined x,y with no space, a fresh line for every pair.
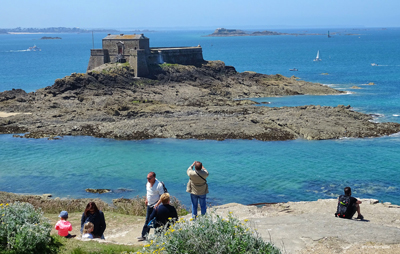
317,58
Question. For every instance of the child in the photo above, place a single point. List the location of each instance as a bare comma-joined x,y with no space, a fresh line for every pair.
63,226
87,230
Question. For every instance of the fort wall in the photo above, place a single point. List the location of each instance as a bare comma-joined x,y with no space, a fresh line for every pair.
135,50
97,58
182,55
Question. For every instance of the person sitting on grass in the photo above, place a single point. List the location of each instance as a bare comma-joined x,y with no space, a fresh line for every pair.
165,213
87,230
63,226
94,215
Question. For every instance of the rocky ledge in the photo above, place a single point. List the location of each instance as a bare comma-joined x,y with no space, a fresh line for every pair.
176,101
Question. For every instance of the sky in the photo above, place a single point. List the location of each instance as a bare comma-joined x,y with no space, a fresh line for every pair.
184,14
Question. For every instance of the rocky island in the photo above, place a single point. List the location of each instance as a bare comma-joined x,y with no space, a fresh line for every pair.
50,38
223,32
208,101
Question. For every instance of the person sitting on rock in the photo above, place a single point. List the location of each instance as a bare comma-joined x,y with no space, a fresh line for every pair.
348,206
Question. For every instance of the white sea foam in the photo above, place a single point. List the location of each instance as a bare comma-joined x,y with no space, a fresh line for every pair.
395,134
22,50
395,115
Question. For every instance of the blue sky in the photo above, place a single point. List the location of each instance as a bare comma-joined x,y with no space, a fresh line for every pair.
155,14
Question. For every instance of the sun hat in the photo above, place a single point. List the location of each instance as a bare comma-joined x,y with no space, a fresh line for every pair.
63,214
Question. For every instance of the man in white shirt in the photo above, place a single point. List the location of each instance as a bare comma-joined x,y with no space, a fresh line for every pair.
154,189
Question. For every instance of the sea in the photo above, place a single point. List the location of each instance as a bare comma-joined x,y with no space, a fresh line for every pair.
242,171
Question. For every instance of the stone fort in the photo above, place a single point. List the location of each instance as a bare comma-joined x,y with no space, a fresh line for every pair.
135,49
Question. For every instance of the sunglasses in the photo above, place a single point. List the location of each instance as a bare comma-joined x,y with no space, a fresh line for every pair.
149,178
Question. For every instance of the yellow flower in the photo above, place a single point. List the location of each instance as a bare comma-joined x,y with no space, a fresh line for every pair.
7,204
230,212
1,204
147,245
191,219
246,220
170,218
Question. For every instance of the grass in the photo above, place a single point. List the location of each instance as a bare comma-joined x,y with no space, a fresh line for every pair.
75,246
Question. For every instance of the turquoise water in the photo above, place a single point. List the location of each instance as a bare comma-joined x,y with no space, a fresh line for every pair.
244,171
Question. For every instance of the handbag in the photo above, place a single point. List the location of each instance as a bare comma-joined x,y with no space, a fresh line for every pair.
152,223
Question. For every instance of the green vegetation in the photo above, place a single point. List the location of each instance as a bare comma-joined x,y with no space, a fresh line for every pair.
74,246
23,229
208,234
168,65
133,206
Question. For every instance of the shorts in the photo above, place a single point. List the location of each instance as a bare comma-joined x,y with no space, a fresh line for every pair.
351,211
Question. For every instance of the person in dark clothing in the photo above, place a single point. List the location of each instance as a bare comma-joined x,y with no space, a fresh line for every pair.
94,215
165,213
354,205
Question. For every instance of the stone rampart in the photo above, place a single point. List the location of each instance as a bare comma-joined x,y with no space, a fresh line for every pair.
182,55
97,58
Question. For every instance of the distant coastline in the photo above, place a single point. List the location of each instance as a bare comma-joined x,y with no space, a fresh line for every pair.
52,30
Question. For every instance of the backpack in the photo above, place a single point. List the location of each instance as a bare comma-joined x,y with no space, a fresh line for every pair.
165,188
342,207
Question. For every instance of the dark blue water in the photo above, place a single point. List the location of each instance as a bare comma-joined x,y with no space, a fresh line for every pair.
240,170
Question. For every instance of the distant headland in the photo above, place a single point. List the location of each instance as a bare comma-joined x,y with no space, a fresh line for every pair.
50,38
222,32
20,30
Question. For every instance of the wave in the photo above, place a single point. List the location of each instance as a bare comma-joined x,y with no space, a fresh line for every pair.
395,134
22,50
396,115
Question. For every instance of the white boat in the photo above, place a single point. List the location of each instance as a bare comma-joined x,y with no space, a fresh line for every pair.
34,48
317,58
294,69
374,64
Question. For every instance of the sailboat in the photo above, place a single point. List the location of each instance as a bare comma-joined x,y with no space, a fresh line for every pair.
317,59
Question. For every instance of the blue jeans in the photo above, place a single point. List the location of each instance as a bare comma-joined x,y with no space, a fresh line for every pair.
195,200
146,229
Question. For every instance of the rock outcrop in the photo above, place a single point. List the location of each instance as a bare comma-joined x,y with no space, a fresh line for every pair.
205,102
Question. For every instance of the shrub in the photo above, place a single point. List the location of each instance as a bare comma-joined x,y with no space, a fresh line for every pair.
208,234
136,206
133,206
24,230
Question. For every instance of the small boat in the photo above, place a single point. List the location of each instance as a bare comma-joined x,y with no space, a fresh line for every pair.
294,69
317,59
34,48
374,64
329,35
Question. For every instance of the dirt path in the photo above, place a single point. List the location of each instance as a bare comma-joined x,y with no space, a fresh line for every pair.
294,227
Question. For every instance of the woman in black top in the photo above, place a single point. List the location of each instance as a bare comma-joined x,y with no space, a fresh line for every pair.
163,212
94,215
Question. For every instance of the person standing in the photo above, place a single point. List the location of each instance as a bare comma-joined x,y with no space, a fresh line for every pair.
197,187
154,190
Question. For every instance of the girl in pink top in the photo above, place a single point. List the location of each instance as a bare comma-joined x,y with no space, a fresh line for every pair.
63,226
